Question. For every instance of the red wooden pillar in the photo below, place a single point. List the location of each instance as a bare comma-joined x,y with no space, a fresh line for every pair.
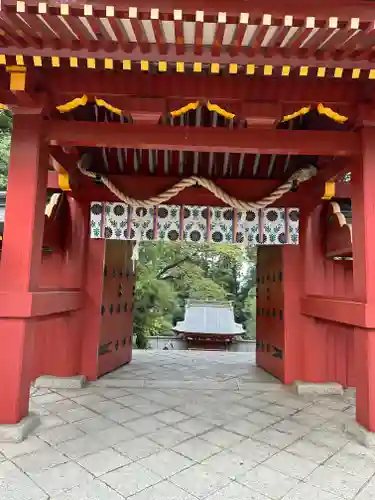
20,263
363,189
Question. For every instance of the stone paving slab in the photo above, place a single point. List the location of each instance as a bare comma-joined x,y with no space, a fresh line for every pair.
188,426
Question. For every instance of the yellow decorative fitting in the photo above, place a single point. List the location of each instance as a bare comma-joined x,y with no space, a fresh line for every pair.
73,61
55,61
37,60
329,190
102,103
162,66
3,59
303,71
215,68
371,74
356,73
185,109
285,71
17,78
108,63
73,104
338,73
268,70
3,106
180,67
20,60
63,180
220,111
300,112
233,68
127,65
321,73
197,67
250,69
91,63
144,65
323,110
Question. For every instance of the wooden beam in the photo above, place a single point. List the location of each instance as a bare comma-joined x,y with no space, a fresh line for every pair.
260,57
320,10
163,137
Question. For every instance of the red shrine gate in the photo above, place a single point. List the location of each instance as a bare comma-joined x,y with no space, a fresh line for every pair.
117,101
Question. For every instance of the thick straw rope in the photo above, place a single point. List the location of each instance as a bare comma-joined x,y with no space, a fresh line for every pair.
302,175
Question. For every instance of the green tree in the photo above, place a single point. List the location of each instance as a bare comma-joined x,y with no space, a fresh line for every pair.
171,273
5,138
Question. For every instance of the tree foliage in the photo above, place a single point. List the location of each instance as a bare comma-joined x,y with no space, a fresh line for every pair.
5,137
170,273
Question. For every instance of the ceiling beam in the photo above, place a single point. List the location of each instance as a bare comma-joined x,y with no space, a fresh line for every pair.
64,84
163,137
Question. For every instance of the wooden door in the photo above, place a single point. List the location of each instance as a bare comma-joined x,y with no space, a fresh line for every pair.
116,330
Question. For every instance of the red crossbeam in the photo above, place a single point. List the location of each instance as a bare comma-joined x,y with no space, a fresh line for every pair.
117,135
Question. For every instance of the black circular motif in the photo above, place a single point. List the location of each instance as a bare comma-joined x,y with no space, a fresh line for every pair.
195,236
272,215
217,237
108,232
141,212
228,215
150,234
162,213
97,208
173,235
132,234
294,215
119,210
205,213
281,238
250,216
186,213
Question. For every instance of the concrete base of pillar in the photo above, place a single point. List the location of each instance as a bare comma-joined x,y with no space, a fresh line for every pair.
15,433
323,389
361,434
50,382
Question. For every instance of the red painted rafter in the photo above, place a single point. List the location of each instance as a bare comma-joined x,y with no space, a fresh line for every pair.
198,35
338,38
219,34
121,36
179,32
158,33
299,10
10,33
139,33
359,41
42,31
238,36
65,36
114,135
28,34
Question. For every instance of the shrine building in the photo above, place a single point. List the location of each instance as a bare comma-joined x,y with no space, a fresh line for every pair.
237,121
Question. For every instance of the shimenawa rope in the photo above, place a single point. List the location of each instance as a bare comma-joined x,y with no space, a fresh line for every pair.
302,175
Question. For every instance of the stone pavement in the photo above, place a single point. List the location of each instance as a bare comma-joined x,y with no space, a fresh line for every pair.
187,426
